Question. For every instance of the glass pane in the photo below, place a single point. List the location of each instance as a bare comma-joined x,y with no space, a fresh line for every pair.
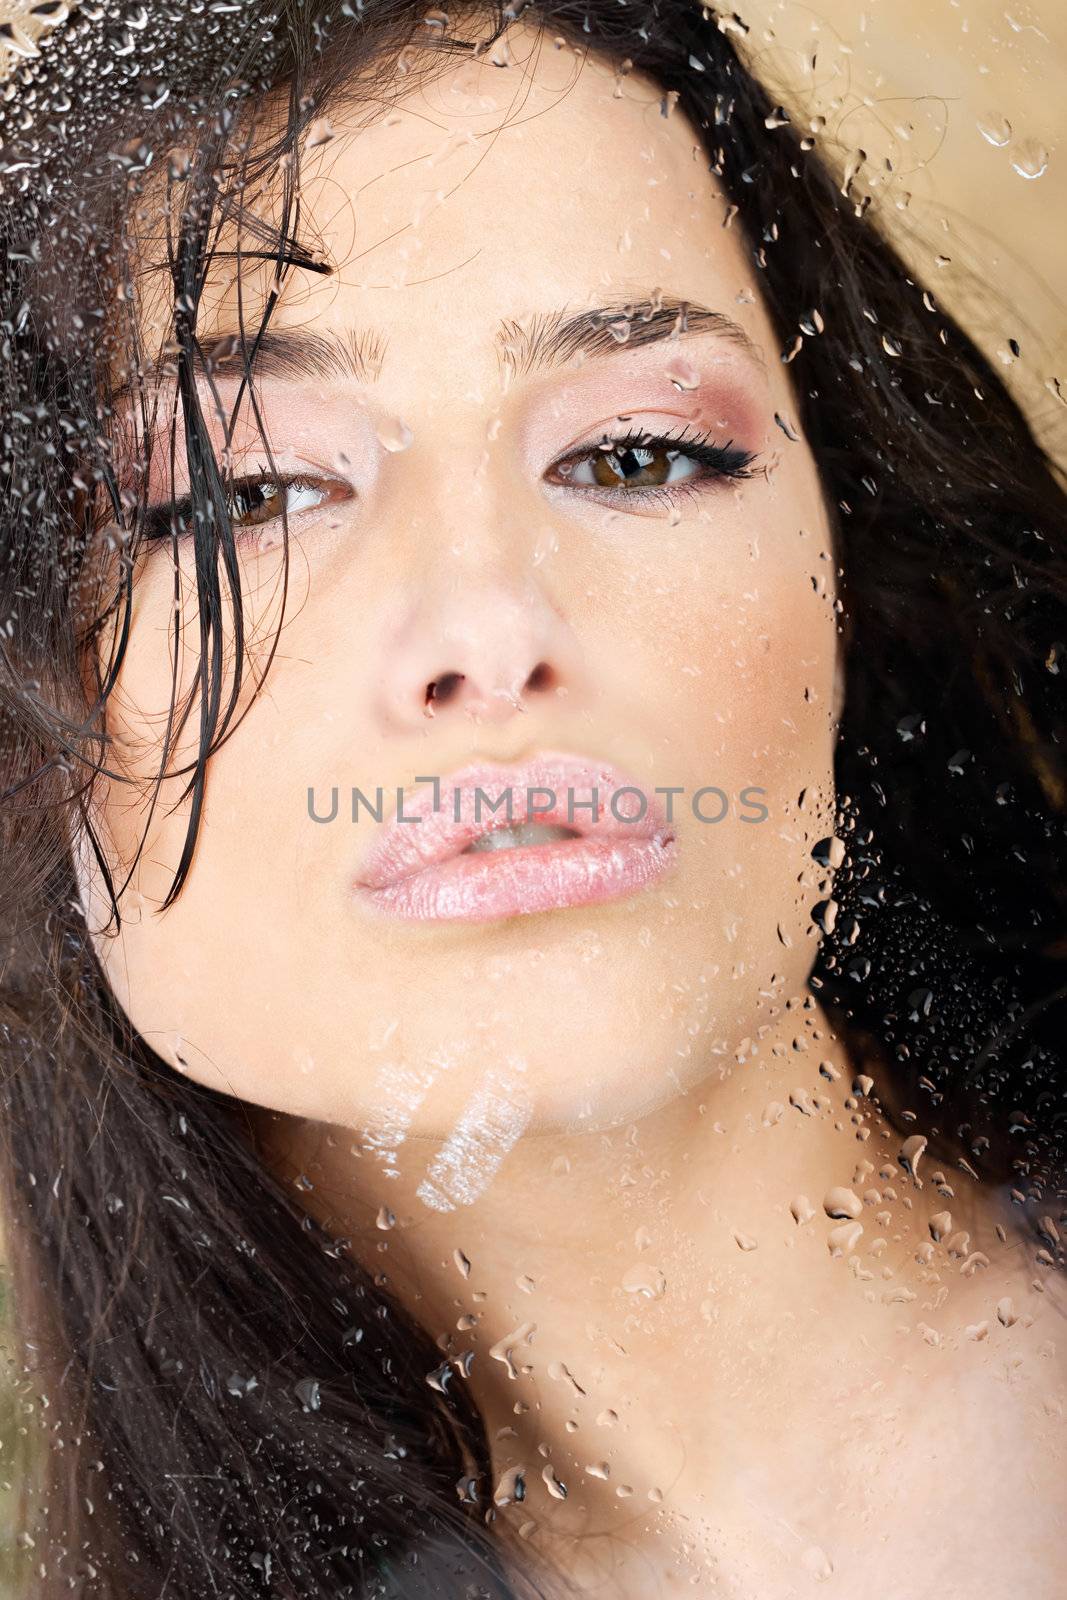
532,623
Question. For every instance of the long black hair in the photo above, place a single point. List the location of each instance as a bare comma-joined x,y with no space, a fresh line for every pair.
226,1401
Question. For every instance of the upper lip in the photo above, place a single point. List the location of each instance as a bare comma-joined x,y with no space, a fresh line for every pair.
404,845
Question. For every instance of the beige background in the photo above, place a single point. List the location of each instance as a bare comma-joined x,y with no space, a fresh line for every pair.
912,83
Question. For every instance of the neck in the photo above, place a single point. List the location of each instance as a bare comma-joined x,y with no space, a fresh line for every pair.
600,1273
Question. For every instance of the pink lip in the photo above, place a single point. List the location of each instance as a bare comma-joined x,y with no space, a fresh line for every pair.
415,869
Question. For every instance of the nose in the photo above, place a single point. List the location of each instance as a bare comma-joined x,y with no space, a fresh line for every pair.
483,650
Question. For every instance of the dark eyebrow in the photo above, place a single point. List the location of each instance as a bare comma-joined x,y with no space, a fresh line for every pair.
296,353
287,353
551,339
532,344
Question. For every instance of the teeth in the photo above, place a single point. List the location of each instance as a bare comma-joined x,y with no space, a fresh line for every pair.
519,834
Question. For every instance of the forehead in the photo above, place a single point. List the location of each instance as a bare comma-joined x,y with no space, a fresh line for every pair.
490,189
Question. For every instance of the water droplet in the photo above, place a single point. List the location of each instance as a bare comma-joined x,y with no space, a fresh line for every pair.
940,1224
645,1280
683,374
802,1209
995,128
394,434
269,538
547,544
559,1372
842,1203
1030,159
440,1377
745,1241
817,1562
321,131
502,1350
240,1386
511,1487
554,1485
911,1152
843,1239
18,42
308,1393
829,852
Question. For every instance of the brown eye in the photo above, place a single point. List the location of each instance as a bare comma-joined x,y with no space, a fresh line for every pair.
642,464
258,500
252,502
634,467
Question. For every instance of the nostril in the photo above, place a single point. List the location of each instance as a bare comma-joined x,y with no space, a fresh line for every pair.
442,690
541,677
445,688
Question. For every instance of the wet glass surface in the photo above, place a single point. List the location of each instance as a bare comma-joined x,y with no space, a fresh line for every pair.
532,613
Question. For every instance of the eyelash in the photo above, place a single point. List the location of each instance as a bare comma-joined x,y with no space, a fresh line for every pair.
160,519
722,462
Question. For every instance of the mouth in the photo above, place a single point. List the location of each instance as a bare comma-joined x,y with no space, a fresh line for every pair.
500,841
518,836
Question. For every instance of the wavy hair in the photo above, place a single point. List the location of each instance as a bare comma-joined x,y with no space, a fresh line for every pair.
229,1403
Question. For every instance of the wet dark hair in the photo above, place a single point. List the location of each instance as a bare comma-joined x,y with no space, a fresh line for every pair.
235,1406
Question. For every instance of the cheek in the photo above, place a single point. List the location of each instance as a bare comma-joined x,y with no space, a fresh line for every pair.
159,683
732,635
735,643
158,957
765,658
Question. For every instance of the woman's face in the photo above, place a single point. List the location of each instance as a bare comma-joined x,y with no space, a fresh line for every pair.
452,522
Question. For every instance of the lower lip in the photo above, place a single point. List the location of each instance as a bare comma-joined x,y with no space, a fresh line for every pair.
491,884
